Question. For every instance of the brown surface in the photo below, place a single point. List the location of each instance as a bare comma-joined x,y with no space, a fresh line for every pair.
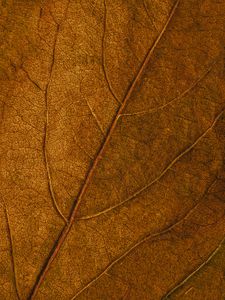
112,150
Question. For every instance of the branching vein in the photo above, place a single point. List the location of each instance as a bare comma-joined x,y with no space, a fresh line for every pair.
136,194
145,239
182,95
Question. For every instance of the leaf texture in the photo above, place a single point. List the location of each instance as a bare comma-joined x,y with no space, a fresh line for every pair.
112,152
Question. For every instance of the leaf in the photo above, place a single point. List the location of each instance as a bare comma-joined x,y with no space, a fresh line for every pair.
112,149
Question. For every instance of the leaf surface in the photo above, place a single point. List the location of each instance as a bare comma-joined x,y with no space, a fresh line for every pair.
112,149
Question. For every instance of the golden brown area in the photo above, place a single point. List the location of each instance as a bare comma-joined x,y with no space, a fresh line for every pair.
112,150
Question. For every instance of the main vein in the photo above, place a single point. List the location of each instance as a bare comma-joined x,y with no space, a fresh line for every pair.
60,241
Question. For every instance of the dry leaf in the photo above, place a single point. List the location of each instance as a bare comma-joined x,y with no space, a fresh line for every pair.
112,149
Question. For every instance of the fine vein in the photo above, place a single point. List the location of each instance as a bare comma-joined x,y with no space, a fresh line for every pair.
103,56
12,253
195,271
46,159
96,118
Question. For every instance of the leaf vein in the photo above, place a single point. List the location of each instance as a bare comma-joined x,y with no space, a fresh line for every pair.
132,197
12,253
57,246
179,97
195,271
145,239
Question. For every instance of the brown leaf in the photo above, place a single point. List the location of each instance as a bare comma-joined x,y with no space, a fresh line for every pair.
112,150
